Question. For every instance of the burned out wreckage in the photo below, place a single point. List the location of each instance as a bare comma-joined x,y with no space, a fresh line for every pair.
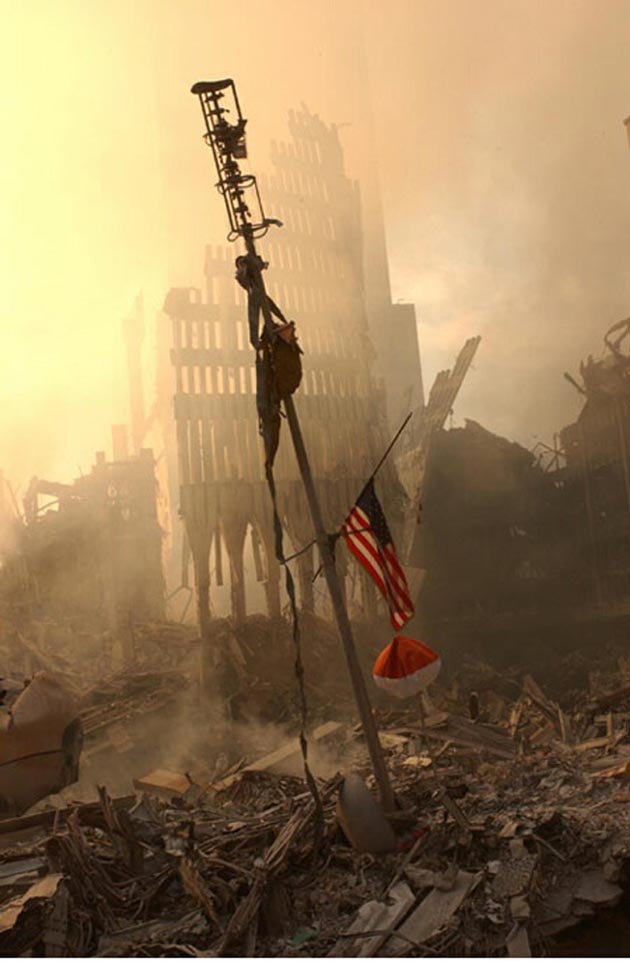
155,792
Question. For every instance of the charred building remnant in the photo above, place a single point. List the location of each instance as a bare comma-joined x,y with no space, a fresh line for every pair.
496,532
90,550
534,544
596,448
413,466
317,277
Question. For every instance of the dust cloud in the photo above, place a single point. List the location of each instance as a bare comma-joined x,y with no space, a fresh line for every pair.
494,131
205,745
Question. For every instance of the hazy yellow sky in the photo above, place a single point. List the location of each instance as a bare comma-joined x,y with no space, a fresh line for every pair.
504,168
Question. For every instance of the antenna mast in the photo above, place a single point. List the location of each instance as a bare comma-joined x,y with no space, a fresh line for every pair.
247,220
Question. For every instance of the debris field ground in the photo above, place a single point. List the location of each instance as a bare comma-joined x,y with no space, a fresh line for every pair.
512,832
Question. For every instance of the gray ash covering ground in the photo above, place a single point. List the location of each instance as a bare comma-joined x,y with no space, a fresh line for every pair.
527,809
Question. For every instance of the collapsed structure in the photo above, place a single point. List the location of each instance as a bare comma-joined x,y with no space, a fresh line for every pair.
90,551
512,839
596,451
510,828
526,549
318,276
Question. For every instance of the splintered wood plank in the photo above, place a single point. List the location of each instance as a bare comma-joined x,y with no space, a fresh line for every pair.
431,915
461,731
45,888
517,943
281,755
378,917
163,782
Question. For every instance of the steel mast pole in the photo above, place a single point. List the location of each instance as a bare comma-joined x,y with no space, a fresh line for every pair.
332,576
226,147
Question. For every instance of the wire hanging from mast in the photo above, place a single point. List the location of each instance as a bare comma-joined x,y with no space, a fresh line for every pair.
248,221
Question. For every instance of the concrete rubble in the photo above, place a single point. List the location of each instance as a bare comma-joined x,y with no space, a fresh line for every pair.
512,833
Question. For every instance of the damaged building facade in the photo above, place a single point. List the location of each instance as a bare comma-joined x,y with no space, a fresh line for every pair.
596,451
214,453
528,551
509,835
87,554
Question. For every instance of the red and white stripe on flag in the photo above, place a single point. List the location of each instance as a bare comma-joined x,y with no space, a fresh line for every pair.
381,563
406,667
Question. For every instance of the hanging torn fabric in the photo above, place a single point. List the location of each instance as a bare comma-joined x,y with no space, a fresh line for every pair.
278,374
248,268
287,363
267,401
278,364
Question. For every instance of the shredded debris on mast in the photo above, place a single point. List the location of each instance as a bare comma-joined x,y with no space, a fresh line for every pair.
278,374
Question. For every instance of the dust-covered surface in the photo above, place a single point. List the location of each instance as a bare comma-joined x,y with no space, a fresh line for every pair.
149,711
512,832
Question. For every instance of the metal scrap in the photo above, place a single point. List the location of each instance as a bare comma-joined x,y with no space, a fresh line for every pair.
527,845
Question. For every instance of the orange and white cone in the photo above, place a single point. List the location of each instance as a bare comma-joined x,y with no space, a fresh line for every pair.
406,667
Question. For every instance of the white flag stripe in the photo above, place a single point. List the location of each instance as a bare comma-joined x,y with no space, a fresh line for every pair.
370,560
394,564
361,527
357,526
382,558
399,583
395,567
369,539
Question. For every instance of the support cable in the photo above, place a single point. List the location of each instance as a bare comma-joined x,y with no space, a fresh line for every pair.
248,274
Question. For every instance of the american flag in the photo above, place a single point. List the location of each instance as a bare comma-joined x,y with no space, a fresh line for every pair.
370,541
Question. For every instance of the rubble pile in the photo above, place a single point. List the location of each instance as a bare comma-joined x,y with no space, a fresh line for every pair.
129,695
257,667
507,835
123,712
255,660
82,655
119,716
